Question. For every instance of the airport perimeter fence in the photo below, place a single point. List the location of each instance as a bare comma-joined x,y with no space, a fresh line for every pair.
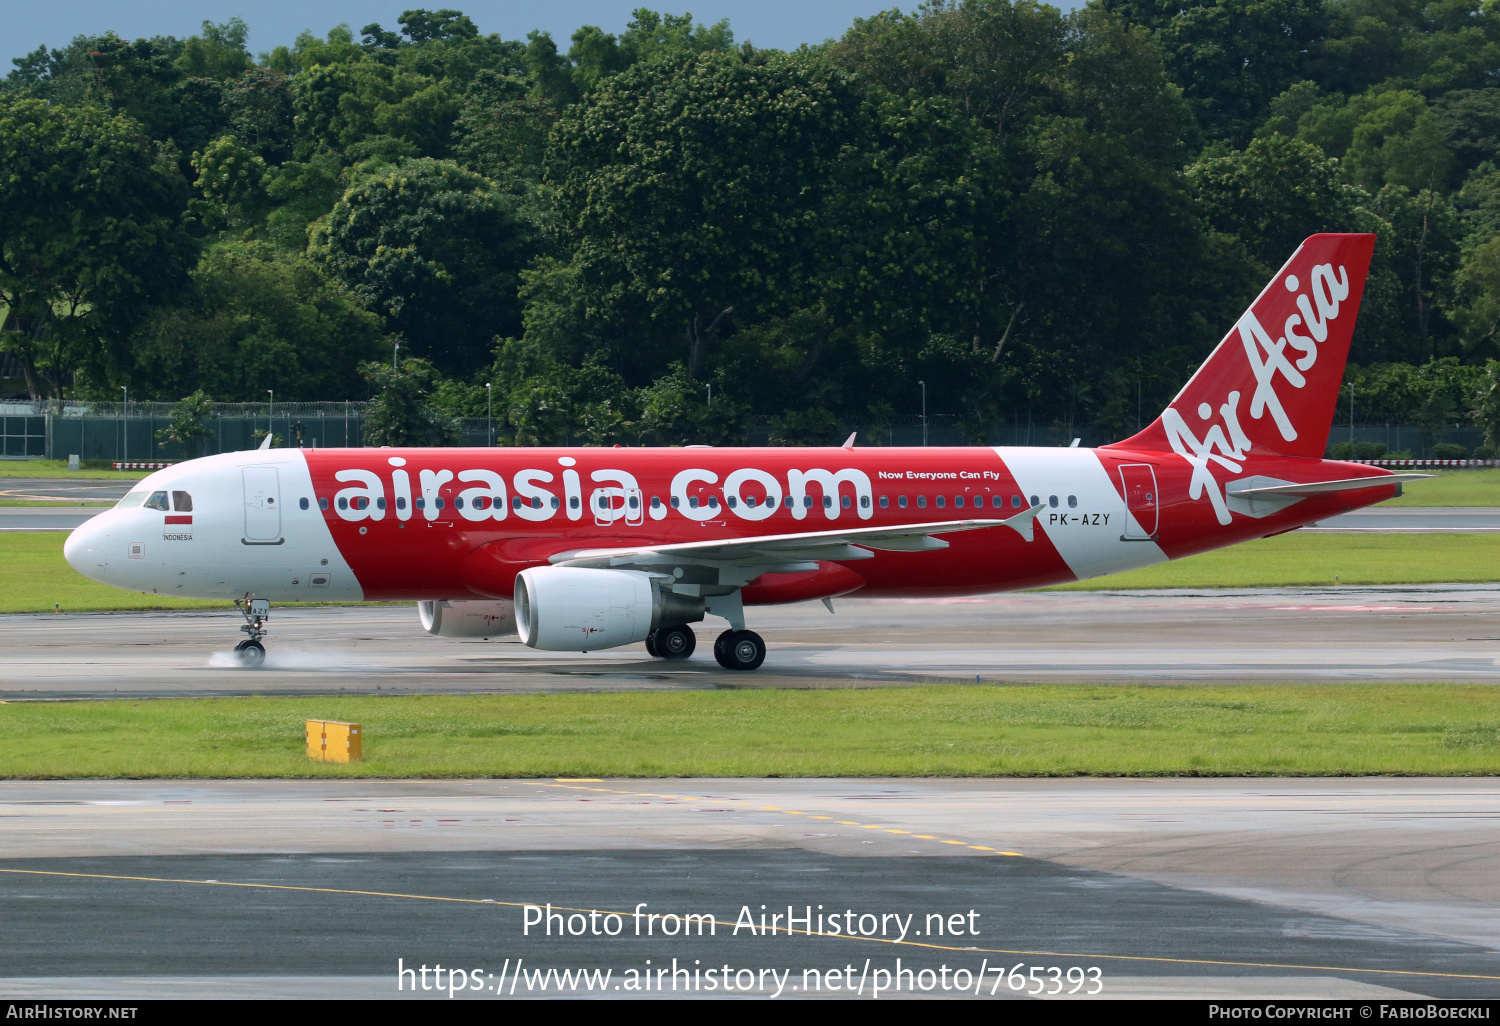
120,432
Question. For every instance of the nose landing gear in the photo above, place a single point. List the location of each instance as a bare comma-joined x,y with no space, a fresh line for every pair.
250,652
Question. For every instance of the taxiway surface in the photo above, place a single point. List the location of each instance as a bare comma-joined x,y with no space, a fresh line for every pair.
1265,888
1430,633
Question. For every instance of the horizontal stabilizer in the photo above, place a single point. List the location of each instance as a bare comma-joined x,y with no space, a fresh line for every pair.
1349,484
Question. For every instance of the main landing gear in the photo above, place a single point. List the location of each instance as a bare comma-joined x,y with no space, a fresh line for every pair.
671,642
739,650
250,652
734,650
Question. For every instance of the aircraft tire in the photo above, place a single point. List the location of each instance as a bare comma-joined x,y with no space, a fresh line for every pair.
720,648
742,650
674,642
251,654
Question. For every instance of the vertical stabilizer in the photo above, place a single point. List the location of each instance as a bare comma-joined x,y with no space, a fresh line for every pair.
1270,387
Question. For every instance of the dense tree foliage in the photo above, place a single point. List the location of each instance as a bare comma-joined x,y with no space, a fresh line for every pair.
1047,218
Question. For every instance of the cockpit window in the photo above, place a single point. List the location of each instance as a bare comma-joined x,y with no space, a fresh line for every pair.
132,499
158,500
182,502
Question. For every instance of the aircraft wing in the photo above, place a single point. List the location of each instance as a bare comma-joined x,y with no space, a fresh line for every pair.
793,552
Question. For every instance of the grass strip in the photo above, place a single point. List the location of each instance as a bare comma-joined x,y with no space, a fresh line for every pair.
1039,730
34,576
93,470
1479,487
1318,559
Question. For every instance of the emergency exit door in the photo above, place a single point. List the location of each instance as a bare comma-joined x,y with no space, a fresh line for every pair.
1139,481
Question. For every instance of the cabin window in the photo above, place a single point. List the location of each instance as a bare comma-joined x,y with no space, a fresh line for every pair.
713,502
323,503
731,501
343,502
676,502
400,502
864,502
158,500
437,502
693,502
921,502
516,502
885,502
1015,501
361,502
301,503
1035,501
380,502
1052,501
789,502
656,502
1072,502
901,501
828,502
807,501
182,502
458,502
940,501
750,501
635,501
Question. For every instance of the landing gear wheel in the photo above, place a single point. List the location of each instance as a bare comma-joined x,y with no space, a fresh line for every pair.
651,644
250,654
674,642
740,650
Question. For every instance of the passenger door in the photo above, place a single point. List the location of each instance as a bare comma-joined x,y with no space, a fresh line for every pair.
262,505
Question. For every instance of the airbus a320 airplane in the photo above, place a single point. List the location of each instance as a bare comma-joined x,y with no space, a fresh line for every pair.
592,548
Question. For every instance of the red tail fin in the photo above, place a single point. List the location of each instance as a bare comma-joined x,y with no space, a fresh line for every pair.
1271,385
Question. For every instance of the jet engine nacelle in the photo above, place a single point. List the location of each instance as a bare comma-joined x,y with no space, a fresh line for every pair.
575,609
492,619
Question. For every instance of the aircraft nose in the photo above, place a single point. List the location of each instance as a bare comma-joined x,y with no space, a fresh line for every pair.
84,549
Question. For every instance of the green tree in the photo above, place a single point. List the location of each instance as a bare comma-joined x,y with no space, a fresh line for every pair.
339,106
1231,57
232,179
436,249
1273,195
399,411
1486,407
217,52
256,317
90,232
188,421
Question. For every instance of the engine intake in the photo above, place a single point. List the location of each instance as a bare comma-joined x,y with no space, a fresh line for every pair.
491,619
574,609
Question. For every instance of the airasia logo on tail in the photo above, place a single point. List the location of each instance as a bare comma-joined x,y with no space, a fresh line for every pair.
1271,385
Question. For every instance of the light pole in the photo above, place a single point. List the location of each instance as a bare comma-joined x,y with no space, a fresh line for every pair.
710,395
489,414
125,424
395,353
271,414
924,411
